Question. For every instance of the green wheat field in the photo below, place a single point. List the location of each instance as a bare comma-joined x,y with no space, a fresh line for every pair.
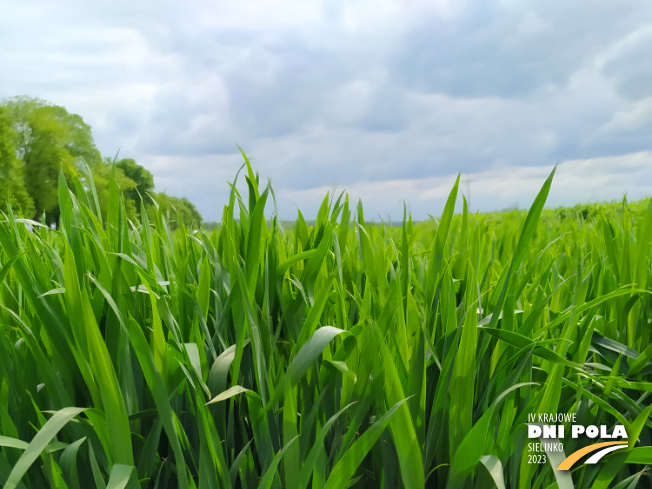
326,354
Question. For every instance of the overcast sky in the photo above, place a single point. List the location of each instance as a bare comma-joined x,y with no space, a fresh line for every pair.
387,99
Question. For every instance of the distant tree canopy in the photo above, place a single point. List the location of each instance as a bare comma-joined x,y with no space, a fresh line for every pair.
38,140
143,179
12,179
178,211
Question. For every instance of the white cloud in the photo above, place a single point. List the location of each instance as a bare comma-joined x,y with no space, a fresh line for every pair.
575,181
636,116
388,99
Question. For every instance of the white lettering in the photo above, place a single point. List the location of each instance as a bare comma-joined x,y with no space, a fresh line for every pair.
549,431
533,431
619,432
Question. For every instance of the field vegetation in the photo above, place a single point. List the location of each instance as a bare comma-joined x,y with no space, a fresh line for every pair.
341,354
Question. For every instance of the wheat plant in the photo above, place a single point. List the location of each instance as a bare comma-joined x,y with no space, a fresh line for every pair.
341,353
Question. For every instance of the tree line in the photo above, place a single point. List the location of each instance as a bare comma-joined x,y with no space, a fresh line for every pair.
38,140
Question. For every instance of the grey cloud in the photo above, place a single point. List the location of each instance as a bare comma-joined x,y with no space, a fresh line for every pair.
182,127
386,111
341,93
280,88
510,50
632,70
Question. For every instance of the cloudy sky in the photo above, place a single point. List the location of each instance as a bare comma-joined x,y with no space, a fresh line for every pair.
387,99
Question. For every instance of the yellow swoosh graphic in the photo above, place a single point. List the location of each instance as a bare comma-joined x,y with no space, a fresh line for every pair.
575,456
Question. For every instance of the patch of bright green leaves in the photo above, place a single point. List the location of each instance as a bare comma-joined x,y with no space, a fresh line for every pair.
342,354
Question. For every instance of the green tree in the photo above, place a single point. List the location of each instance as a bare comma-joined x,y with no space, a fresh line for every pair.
80,143
38,140
44,157
12,180
49,139
75,136
178,211
138,182
102,175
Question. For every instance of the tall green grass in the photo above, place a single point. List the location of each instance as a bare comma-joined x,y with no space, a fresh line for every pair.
344,354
